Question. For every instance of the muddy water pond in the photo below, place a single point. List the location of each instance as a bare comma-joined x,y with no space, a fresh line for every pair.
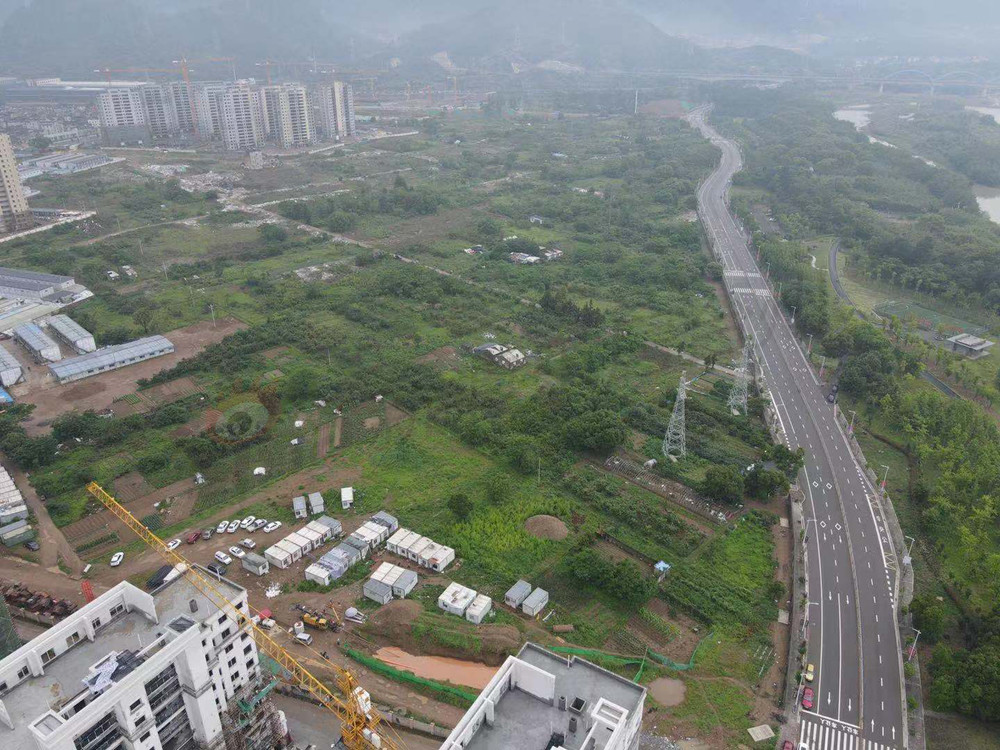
442,668
667,691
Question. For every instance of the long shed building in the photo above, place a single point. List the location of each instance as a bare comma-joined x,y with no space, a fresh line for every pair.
18,284
72,333
37,342
110,358
10,369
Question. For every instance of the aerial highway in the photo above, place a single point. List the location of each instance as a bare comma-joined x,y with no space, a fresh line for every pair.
851,630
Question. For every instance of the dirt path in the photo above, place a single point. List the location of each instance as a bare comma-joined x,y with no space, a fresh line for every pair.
338,431
120,232
688,357
53,543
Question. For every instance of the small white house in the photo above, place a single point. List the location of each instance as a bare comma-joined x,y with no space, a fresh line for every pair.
299,507
393,542
336,528
436,556
303,543
325,531
376,530
517,593
377,591
316,538
414,551
479,608
456,599
291,548
316,503
319,574
346,497
278,557
535,602
256,564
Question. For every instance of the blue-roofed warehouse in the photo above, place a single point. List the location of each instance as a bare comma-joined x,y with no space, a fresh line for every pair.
110,358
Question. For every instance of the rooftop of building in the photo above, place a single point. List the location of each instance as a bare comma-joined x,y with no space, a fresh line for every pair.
63,677
111,356
522,720
970,341
31,279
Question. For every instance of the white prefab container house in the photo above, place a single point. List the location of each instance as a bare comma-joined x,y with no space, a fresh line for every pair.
256,564
417,547
324,531
72,333
351,553
517,593
346,497
299,541
10,369
359,543
387,520
299,507
278,557
377,531
316,503
393,542
336,528
436,556
535,602
406,582
479,608
316,538
377,591
37,342
321,575
291,548
456,599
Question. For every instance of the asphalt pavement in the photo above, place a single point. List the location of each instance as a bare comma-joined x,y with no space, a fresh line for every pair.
852,637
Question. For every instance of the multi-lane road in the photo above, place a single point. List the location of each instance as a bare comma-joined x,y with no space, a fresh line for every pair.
852,637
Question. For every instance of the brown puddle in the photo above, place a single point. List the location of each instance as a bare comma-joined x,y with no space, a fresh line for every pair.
442,668
667,692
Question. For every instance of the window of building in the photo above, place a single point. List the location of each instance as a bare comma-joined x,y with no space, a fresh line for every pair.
248,649
96,622
135,705
48,656
144,737
232,661
222,619
73,639
229,648
117,609
3,687
23,672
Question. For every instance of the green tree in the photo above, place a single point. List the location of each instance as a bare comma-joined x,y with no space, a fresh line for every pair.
460,505
143,318
498,487
724,484
273,234
929,616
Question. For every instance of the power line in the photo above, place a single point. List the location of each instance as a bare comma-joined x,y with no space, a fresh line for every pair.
738,393
675,441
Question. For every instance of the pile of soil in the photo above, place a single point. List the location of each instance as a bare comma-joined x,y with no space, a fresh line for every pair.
546,527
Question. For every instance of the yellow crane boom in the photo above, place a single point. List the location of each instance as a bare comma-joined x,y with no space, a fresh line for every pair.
360,721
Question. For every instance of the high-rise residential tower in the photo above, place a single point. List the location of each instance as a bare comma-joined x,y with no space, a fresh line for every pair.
242,121
122,114
336,104
14,212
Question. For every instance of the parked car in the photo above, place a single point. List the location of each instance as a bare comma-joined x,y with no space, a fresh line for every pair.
810,672
246,522
222,557
116,559
221,527
32,545
249,543
173,544
193,537
237,552
217,568
233,527
787,745
207,533
807,699
259,524
831,398
273,526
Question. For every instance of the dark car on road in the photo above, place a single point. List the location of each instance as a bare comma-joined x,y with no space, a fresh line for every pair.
807,699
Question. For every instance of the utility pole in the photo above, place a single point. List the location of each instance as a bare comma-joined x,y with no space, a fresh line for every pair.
793,314
675,441
212,308
884,477
738,393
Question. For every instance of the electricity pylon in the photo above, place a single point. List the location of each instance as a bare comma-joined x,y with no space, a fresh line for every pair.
738,393
675,441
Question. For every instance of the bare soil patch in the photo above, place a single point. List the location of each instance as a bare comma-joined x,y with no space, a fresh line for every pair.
667,691
338,431
372,423
394,415
100,391
323,441
546,527
663,108
445,357
130,486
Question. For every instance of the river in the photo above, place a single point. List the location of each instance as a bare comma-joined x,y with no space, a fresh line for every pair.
988,199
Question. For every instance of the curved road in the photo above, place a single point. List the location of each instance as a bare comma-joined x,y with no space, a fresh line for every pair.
852,636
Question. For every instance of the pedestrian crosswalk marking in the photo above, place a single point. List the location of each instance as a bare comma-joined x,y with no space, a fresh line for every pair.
819,733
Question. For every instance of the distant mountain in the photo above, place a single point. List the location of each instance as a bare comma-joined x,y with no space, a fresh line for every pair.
77,36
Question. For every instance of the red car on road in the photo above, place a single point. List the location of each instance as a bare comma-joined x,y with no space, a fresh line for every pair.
807,699
193,537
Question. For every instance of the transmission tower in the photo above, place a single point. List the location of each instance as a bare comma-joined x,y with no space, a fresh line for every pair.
675,441
738,393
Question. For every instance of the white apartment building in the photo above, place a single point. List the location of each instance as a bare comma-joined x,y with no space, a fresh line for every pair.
336,106
180,94
121,108
286,114
136,670
242,121
160,110
541,699
14,212
208,108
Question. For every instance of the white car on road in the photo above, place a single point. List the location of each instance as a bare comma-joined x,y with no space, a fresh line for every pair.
237,552
173,544
223,558
116,559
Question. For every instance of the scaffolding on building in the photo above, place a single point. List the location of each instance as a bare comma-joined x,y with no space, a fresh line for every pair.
251,721
10,641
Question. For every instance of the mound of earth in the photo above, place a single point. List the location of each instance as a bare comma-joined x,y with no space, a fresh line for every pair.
546,527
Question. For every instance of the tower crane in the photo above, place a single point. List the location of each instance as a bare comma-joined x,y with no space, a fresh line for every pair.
360,720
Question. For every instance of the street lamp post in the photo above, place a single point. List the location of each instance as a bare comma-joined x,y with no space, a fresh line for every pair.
908,559
913,648
884,477
793,314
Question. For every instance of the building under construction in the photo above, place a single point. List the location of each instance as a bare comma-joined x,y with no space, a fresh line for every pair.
251,720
